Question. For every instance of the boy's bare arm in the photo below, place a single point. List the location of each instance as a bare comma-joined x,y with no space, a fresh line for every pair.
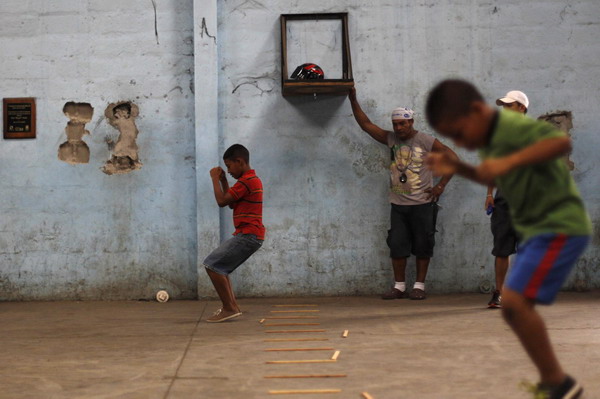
490,169
541,151
364,122
224,182
221,187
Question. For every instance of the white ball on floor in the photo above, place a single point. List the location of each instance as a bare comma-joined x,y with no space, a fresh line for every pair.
162,296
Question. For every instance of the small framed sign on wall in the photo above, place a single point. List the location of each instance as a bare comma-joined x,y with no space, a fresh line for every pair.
19,118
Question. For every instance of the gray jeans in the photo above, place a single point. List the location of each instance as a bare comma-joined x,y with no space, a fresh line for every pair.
232,253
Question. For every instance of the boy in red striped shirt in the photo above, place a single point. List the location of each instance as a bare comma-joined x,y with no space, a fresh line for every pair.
245,198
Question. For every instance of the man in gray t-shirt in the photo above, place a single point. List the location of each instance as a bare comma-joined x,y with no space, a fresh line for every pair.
412,195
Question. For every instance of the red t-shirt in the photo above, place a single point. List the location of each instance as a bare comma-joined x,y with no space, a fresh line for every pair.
247,210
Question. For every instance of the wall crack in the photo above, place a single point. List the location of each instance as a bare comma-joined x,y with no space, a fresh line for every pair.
155,21
204,29
255,84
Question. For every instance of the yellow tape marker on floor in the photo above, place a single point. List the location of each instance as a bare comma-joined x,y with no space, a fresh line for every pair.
300,391
297,349
294,306
308,376
335,355
300,361
365,395
295,339
345,334
294,331
296,311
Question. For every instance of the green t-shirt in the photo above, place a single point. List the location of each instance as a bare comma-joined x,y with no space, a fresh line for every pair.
542,198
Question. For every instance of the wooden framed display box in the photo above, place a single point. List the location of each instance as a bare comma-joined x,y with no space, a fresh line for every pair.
338,86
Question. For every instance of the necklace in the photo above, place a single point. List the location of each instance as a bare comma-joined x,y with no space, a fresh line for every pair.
409,159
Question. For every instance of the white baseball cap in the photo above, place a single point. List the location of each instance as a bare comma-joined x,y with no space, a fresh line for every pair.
514,96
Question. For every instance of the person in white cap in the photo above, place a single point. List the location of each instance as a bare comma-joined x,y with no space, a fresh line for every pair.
413,195
514,100
505,236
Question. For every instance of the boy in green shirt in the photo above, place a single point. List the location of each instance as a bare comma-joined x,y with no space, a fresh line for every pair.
521,157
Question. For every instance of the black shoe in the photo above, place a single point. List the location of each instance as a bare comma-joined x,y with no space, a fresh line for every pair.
417,294
394,293
496,301
569,389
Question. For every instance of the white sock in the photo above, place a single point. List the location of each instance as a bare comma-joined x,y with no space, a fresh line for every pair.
420,286
400,286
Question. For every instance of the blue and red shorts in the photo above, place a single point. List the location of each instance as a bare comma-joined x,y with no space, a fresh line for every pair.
543,264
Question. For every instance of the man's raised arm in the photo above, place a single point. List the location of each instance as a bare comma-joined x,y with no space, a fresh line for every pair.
363,120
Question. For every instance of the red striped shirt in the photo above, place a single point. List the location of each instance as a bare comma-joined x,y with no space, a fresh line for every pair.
247,210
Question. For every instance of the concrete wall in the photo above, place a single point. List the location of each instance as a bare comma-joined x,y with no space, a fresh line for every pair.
210,77
325,180
70,231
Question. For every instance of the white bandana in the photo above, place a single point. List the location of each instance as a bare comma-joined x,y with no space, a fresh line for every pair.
402,113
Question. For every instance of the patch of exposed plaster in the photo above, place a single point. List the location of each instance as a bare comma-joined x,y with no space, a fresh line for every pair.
75,150
563,120
124,157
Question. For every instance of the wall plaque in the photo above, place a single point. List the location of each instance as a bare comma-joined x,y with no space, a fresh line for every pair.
19,118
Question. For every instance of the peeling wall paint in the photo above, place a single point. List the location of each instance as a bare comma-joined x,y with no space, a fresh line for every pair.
125,156
563,120
75,150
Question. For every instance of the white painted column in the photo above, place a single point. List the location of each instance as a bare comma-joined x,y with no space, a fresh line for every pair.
207,136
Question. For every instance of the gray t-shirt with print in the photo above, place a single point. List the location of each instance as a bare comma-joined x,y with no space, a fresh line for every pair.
409,177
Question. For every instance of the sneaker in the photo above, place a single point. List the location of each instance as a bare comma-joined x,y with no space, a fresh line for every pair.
569,389
222,315
417,294
496,301
394,293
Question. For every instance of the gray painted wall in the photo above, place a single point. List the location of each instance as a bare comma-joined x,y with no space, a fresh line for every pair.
212,78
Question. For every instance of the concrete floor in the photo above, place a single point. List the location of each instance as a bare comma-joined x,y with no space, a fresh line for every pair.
444,347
